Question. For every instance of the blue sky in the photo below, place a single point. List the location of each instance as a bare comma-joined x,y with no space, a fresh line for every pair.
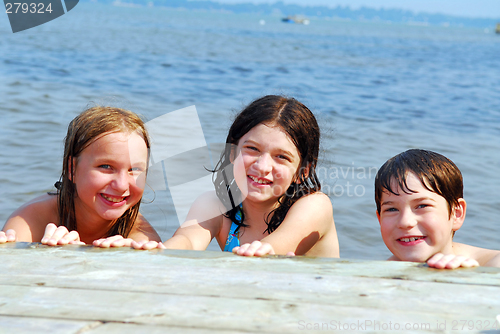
467,8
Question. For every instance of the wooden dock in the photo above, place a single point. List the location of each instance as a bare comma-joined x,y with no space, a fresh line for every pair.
81,289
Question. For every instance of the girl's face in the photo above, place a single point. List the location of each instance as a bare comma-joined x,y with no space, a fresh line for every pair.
110,175
266,164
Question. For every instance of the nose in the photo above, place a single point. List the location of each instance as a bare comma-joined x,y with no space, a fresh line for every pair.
121,181
264,164
407,219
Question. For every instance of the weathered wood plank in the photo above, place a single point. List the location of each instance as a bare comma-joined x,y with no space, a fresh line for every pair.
245,284
214,291
29,325
318,266
202,312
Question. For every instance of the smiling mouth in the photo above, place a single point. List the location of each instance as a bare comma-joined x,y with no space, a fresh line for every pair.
410,239
113,199
259,181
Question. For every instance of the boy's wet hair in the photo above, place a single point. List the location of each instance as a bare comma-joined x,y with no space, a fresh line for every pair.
299,123
436,173
83,130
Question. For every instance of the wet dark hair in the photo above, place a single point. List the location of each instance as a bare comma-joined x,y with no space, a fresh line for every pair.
436,173
299,123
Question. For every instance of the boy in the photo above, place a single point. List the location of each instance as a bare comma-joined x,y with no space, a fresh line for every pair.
420,205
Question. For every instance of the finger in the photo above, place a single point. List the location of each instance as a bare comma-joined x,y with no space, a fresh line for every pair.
443,262
71,236
98,242
434,259
468,263
455,262
242,249
254,246
123,242
265,249
150,245
106,243
137,244
290,254
49,231
11,235
249,249
3,237
59,233
161,245
76,243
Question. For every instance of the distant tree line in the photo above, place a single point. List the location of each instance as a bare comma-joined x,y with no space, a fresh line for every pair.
361,14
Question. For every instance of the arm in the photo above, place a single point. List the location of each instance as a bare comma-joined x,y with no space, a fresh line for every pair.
29,221
202,224
308,229
494,262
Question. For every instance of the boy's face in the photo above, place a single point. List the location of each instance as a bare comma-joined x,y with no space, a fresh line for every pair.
417,225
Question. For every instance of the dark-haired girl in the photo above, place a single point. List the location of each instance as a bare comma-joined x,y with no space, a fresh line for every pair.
267,197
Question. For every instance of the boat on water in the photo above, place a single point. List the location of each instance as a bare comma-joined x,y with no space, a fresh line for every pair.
296,19
497,29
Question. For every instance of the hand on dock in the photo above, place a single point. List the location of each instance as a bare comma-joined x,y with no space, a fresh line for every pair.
256,248
451,261
56,236
146,245
7,236
114,241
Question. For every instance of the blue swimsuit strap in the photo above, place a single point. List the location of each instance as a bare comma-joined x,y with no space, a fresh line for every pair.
232,238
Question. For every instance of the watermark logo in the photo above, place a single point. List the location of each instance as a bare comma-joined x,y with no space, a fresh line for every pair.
28,14
181,161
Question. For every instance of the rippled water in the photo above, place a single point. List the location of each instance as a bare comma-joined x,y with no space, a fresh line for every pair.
377,89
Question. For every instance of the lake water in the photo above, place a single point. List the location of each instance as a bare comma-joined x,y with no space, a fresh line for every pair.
377,90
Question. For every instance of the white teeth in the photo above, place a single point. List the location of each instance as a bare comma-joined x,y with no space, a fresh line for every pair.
114,200
259,181
410,239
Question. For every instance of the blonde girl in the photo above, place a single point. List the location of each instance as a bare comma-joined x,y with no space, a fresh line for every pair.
106,154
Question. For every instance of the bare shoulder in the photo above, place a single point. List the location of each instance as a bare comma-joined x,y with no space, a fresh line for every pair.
30,219
312,216
315,207
485,257
315,201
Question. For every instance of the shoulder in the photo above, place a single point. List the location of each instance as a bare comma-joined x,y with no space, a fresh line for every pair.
315,209
30,219
485,257
317,203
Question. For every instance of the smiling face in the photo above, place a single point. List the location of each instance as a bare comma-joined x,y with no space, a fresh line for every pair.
110,175
266,164
416,225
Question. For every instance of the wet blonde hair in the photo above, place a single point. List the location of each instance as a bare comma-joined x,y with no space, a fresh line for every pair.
83,130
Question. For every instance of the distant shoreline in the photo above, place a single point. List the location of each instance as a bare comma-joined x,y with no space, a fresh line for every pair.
362,14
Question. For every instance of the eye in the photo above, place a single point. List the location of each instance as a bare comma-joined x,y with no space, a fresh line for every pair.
284,157
250,149
105,166
136,170
422,206
390,210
